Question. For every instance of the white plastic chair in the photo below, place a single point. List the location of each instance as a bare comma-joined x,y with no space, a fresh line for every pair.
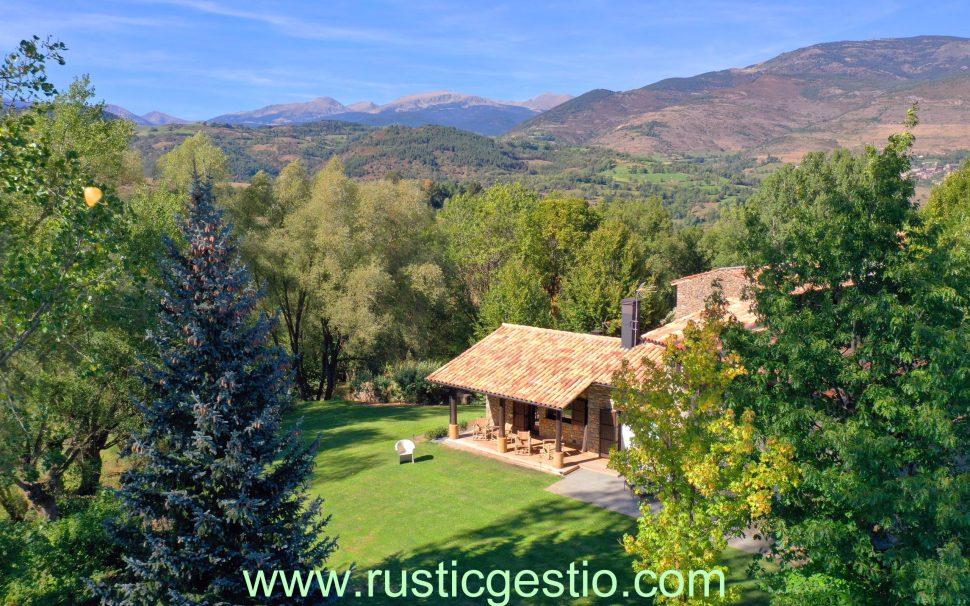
405,450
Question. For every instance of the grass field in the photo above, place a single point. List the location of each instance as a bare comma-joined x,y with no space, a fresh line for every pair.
623,174
452,505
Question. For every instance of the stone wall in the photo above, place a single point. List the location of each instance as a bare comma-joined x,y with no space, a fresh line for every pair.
692,291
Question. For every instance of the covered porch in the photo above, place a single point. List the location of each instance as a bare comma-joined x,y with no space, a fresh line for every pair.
537,459
546,435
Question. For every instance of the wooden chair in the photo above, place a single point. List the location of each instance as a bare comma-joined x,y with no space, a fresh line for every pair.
523,443
478,429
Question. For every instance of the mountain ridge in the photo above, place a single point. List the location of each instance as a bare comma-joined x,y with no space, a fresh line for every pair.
817,97
442,107
152,118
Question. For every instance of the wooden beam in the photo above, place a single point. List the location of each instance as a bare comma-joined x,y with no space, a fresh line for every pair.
501,418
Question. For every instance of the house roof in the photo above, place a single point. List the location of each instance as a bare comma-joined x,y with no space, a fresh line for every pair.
551,368
540,366
736,270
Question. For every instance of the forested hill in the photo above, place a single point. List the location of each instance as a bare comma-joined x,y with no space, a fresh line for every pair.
429,151
426,152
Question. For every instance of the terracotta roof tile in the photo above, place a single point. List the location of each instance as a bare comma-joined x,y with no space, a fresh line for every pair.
537,365
553,367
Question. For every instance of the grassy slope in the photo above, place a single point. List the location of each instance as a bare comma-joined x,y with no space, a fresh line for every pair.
450,505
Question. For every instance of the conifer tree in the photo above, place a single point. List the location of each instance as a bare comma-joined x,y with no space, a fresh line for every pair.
217,486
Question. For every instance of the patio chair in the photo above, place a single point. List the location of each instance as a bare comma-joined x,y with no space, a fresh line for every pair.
523,443
405,450
478,429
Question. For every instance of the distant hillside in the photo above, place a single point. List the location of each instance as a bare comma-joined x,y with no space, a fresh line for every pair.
253,149
443,108
429,151
820,97
426,152
320,108
154,118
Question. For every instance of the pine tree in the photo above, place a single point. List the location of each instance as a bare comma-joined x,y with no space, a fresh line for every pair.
217,486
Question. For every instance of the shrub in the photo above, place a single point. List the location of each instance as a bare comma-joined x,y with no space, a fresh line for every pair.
49,563
399,382
409,375
436,433
384,389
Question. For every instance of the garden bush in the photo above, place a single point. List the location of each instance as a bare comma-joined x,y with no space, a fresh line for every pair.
400,382
50,563
436,433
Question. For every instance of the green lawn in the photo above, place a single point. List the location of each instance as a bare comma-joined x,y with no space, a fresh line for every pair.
450,505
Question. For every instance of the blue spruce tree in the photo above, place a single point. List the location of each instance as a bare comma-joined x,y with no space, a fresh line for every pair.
217,486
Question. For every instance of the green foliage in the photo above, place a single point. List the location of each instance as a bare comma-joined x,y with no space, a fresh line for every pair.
64,347
816,590
428,152
332,260
50,564
56,253
77,126
692,188
402,381
517,297
23,74
697,452
551,233
436,433
481,231
948,210
862,367
670,252
609,266
409,375
196,155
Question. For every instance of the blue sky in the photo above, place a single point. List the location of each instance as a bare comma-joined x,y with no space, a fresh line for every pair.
200,58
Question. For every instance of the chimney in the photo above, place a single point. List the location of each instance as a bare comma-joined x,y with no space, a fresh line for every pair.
630,330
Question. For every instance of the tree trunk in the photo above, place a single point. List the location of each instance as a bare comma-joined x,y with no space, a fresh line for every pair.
91,466
331,353
331,379
41,499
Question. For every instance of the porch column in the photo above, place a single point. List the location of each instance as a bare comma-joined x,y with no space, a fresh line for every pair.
501,444
557,456
453,421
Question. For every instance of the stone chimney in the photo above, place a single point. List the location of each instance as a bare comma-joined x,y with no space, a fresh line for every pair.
630,329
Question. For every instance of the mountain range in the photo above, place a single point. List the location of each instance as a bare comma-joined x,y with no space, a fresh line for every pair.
819,97
154,118
443,108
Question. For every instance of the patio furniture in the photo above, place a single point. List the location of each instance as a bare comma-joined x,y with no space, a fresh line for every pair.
523,443
548,447
405,450
478,429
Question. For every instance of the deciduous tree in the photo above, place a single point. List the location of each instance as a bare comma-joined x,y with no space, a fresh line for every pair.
862,364
697,451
